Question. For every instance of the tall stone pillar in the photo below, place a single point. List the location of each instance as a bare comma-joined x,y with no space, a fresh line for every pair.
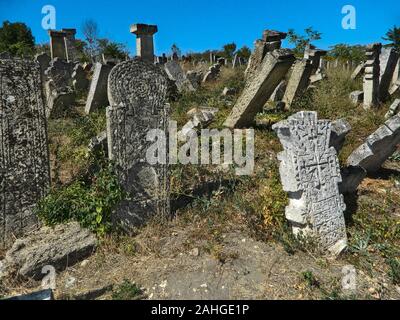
69,40
371,75
144,40
57,44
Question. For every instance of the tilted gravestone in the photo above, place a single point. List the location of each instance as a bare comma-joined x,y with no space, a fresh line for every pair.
388,61
310,173
137,92
97,96
259,89
24,155
378,147
298,82
175,73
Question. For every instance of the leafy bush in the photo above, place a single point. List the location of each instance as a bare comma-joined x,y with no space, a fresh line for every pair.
90,203
127,291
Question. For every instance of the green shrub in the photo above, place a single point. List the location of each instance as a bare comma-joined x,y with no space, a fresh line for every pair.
127,291
394,273
89,203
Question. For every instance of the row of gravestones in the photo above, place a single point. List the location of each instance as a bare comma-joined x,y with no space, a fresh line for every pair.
137,95
381,81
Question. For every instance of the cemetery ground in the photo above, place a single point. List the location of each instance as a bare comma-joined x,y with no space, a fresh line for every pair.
228,237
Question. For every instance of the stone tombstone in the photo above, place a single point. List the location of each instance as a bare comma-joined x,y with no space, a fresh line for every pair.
371,76
298,82
378,147
79,79
57,44
358,71
310,173
70,47
60,72
176,73
388,61
144,40
259,89
137,92
24,154
44,61
315,55
97,96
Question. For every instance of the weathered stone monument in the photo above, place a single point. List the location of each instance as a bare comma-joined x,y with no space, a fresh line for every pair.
57,44
298,82
258,90
358,71
310,173
144,40
371,76
388,61
356,97
44,61
79,78
378,147
24,155
314,55
175,72
212,73
137,92
97,96
393,109
69,40
271,40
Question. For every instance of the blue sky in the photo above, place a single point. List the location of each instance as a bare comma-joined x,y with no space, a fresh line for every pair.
208,24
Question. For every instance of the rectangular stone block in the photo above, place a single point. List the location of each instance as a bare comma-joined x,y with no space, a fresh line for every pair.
258,90
97,96
298,82
137,92
24,154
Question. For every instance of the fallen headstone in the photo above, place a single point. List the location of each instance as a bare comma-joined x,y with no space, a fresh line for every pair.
59,247
394,108
357,97
378,147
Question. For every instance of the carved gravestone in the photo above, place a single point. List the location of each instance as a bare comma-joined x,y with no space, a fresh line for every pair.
24,157
259,88
310,173
175,73
137,93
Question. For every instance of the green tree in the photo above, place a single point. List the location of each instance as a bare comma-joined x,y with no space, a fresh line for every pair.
345,52
16,38
112,49
301,41
393,35
229,50
244,52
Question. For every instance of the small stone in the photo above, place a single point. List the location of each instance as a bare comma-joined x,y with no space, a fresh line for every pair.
195,252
